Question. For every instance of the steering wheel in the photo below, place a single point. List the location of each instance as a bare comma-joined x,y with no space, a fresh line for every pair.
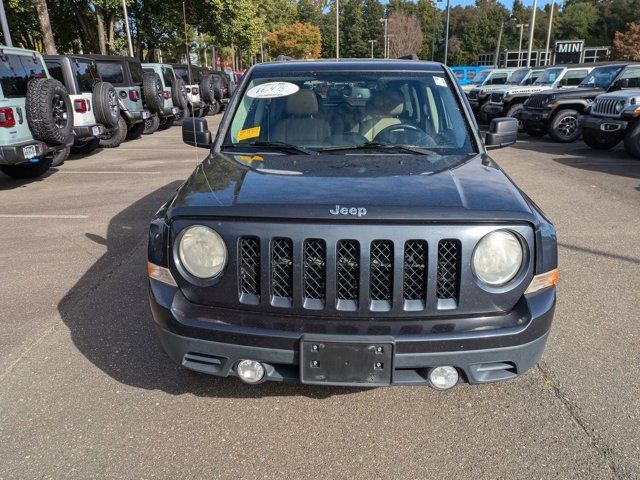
404,133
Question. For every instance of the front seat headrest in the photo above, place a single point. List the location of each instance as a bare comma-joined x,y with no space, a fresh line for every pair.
389,102
302,103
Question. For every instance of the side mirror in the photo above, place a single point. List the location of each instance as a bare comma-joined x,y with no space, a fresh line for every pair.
195,132
502,132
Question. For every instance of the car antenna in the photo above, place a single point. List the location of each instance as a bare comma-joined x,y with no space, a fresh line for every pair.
186,45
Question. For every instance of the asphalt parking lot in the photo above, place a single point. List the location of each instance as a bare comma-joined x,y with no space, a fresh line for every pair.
86,391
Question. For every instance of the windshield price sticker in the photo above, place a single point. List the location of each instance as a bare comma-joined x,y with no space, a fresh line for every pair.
273,90
252,132
441,82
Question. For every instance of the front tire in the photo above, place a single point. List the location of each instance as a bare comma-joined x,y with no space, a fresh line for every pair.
514,112
27,170
564,127
598,141
135,131
85,147
151,125
632,141
60,156
165,123
114,137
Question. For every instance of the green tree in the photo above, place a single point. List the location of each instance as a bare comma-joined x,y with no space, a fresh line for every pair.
372,12
578,20
353,30
277,13
310,11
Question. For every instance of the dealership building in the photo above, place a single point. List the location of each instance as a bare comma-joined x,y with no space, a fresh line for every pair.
564,51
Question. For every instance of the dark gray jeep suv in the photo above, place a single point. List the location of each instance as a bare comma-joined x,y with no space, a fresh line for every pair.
359,238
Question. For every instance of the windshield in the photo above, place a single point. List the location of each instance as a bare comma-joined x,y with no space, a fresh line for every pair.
549,76
367,113
601,77
480,77
518,76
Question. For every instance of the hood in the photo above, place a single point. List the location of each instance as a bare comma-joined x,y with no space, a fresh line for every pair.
518,90
496,88
621,94
389,187
568,93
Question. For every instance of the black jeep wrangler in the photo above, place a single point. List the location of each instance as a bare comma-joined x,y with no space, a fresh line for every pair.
556,111
361,240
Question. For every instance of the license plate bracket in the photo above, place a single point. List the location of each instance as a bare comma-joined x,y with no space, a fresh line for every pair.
357,363
96,130
30,151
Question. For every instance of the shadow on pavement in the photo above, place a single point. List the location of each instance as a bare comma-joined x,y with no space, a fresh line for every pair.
110,322
8,183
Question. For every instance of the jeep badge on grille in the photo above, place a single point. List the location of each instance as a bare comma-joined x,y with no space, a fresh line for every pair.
358,211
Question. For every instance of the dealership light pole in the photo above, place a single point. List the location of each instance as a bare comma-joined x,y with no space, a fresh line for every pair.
496,60
372,42
548,59
337,29
531,30
126,24
521,26
5,26
446,36
385,21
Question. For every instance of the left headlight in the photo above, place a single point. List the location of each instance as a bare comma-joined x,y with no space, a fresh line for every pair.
202,251
498,258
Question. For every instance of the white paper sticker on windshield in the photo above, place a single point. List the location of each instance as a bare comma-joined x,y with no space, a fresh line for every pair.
273,90
441,82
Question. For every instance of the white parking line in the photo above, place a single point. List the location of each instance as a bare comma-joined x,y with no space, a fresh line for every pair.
9,215
123,172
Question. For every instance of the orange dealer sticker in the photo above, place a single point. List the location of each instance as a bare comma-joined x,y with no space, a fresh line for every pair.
252,132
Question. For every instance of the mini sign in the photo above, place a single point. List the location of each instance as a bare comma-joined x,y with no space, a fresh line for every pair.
569,51
273,90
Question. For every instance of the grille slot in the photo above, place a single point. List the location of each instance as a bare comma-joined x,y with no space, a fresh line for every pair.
448,274
347,274
607,106
381,274
496,97
414,276
250,270
535,101
281,272
315,273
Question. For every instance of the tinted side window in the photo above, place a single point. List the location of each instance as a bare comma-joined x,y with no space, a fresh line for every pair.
111,72
574,77
55,70
86,75
15,73
167,75
136,72
498,79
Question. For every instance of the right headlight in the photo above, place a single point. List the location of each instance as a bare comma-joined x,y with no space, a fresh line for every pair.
202,252
498,258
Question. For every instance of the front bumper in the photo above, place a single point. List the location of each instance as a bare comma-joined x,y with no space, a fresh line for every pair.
15,154
538,117
88,131
137,116
213,340
604,125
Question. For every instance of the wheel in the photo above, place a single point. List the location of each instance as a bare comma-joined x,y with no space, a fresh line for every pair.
599,140
135,131
564,127
514,112
165,123
186,113
533,131
49,111
205,111
207,88
214,108
27,170
632,141
86,146
179,94
105,104
152,92
60,156
114,137
151,125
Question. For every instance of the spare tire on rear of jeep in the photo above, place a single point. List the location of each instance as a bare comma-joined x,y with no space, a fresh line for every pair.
49,111
207,88
105,104
152,92
179,94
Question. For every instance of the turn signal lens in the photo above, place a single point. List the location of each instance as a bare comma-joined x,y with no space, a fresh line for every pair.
134,96
166,95
80,105
195,90
544,280
160,274
6,117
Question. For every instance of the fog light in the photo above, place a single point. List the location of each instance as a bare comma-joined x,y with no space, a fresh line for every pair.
443,378
250,371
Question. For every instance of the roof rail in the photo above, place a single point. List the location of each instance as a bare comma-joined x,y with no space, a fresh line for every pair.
410,56
284,58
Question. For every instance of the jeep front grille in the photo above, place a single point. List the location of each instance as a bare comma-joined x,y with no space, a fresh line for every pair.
535,101
345,279
496,97
607,107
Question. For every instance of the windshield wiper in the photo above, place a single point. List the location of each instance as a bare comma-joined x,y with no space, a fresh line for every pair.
380,146
283,146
